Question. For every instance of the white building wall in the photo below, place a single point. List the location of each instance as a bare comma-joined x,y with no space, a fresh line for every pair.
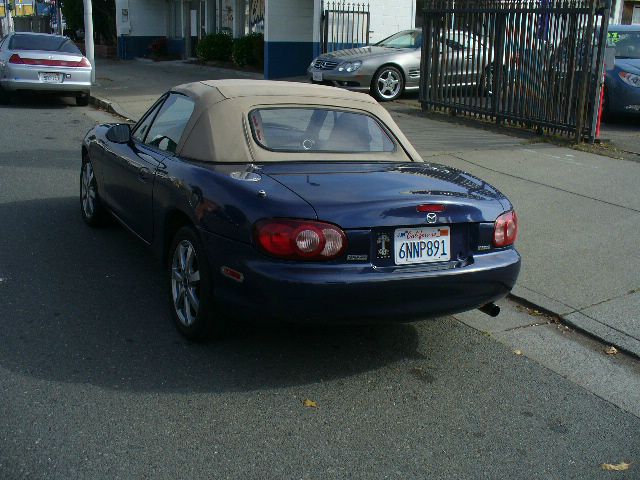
289,21
389,17
147,18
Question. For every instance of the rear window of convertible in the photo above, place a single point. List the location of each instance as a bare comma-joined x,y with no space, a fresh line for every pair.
318,130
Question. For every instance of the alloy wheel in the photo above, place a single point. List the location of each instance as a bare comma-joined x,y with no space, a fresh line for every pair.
389,84
88,191
185,282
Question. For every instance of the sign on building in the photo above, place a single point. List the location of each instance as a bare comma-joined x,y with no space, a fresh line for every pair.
24,8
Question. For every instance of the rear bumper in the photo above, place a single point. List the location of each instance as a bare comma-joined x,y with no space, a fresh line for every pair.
27,78
353,293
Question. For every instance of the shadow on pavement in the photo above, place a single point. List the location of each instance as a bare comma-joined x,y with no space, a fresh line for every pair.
88,306
37,101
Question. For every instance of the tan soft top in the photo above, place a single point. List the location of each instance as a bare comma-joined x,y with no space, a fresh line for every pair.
218,130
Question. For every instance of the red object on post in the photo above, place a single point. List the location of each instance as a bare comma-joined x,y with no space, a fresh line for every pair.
600,108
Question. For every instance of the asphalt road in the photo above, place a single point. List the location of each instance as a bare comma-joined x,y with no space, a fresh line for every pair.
96,383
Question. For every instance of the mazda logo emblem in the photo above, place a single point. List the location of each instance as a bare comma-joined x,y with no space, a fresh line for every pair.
432,217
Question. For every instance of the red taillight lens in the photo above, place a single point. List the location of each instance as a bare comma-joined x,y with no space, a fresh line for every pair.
300,239
17,59
430,207
505,229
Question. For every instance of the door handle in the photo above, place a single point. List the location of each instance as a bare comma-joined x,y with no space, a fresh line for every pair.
143,174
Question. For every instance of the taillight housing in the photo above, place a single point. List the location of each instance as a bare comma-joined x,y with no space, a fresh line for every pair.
300,239
505,229
18,60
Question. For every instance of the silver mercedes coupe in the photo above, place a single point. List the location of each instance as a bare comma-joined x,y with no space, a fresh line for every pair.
392,66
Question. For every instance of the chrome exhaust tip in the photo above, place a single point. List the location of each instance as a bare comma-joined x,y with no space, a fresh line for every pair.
490,309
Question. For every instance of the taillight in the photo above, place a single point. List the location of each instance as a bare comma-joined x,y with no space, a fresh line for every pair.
505,229
17,59
300,239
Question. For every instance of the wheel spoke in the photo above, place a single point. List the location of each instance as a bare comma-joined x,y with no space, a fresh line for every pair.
176,274
193,299
194,277
189,257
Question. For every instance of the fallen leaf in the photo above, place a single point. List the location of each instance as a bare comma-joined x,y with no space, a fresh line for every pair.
310,403
518,352
617,467
611,350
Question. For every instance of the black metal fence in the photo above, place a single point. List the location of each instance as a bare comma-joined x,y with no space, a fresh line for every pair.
32,23
344,25
534,63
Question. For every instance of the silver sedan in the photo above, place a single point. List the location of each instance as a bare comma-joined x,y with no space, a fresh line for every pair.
44,63
392,66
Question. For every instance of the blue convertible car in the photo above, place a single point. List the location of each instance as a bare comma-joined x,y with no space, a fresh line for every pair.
300,203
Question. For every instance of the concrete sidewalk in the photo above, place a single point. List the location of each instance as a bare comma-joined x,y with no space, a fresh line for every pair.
579,213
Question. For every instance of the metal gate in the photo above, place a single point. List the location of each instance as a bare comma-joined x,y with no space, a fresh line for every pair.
533,63
344,25
32,23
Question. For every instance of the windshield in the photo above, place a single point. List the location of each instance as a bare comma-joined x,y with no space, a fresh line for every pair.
627,44
315,130
410,39
50,43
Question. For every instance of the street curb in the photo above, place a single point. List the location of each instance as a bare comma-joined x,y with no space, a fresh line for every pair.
109,106
604,337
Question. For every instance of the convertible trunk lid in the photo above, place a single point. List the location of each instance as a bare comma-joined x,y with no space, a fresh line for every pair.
370,195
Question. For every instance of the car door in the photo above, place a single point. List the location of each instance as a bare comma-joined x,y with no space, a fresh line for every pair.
133,166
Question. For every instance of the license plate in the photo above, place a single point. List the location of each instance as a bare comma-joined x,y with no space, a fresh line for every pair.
317,76
422,245
51,77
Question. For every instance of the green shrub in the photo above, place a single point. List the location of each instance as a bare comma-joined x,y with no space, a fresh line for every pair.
249,50
216,46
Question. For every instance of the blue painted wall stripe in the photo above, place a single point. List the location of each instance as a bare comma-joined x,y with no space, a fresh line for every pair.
287,59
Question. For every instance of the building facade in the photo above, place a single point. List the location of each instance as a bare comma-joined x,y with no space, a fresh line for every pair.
625,12
292,28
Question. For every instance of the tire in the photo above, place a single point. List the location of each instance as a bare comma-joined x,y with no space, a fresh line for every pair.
387,84
190,288
82,100
4,96
91,208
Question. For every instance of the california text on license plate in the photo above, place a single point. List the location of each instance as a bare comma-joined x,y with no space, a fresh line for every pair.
422,245
317,76
50,77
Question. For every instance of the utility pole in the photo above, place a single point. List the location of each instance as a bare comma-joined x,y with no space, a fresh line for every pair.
88,38
8,8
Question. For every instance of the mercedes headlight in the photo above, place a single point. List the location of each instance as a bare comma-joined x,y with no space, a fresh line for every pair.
350,66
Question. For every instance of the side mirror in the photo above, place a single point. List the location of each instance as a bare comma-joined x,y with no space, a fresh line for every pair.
119,133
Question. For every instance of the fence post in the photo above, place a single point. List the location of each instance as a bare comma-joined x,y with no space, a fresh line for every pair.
498,60
586,72
425,60
602,45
